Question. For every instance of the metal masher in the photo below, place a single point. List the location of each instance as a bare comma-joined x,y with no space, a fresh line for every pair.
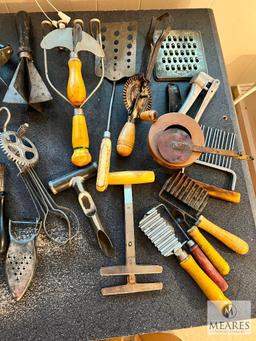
23,152
119,43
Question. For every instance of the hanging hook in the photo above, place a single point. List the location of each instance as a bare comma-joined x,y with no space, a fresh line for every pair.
8,117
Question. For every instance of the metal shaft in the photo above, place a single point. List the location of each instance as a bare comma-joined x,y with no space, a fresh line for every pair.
129,226
111,105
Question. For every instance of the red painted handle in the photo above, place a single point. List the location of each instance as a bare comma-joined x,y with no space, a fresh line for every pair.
208,268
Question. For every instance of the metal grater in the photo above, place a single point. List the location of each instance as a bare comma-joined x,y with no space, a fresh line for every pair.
218,138
119,44
181,56
160,231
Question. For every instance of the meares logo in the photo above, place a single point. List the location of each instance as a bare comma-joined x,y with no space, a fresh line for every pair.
234,325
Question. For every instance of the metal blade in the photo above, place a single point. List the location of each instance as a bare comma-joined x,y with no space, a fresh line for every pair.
58,38
16,91
38,92
88,43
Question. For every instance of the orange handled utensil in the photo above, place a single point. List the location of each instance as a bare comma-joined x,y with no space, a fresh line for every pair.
75,40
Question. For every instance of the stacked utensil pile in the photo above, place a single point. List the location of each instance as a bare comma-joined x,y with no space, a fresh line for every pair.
176,140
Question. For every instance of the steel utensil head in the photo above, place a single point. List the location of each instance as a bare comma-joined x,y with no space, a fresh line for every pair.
63,37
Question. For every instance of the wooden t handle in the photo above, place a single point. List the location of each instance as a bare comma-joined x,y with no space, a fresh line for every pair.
80,141
76,91
209,288
131,177
217,260
208,267
104,164
229,239
126,139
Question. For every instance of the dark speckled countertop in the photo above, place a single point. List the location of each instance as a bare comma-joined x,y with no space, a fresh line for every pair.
64,301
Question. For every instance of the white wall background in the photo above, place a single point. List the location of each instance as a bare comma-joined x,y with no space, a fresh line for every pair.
236,22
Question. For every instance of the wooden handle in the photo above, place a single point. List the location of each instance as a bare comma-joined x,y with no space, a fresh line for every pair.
229,239
217,260
131,177
126,139
149,115
209,288
104,165
80,141
208,268
23,30
76,91
220,193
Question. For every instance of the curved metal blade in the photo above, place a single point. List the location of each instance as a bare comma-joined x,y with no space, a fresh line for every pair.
88,43
61,37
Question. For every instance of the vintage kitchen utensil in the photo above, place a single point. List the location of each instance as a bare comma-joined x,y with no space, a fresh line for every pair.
27,86
218,138
119,42
137,92
175,146
174,97
75,40
60,223
179,193
76,179
214,138
21,257
162,234
176,141
201,82
163,217
131,269
181,56
6,52
4,236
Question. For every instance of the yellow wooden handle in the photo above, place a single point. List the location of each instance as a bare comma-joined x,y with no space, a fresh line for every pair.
76,91
104,165
217,260
131,177
209,288
229,239
126,139
80,141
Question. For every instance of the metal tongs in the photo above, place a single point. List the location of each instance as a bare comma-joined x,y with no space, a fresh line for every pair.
200,82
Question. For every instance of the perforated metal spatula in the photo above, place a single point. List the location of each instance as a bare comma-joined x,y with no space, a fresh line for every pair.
21,256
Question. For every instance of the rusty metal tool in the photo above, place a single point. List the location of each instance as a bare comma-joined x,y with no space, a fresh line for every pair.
175,145
76,40
162,234
76,179
6,52
27,86
174,97
131,269
181,56
189,199
137,92
21,256
4,236
119,44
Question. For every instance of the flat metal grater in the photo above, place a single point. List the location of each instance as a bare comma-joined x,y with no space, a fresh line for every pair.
185,190
222,139
181,56
161,232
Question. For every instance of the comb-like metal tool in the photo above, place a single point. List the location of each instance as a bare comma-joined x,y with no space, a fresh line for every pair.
219,138
161,233
131,269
